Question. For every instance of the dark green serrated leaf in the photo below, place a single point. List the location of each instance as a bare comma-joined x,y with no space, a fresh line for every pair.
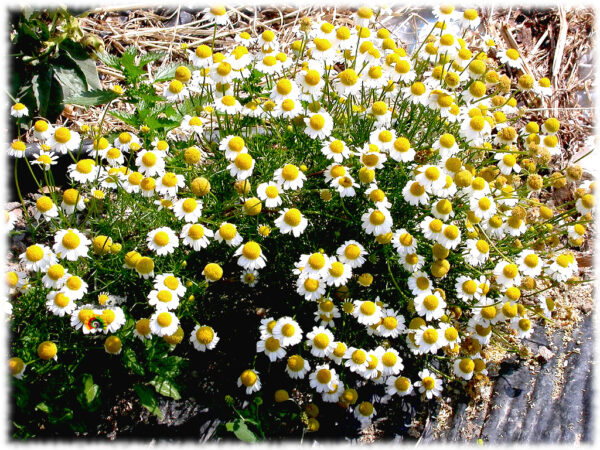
148,399
91,98
165,387
109,60
150,57
165,73
128,118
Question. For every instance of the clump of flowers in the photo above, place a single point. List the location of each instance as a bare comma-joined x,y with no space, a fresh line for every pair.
396,197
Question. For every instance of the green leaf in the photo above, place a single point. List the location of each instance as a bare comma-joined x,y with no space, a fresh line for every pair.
90,389
148,399
150,57
165,73
86,64
109,60
155,123
130,361
91,98
42,406
241,431
71,82
128,118
165,387
41,84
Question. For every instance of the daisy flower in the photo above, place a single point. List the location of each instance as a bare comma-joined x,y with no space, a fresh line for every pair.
464,368
74,287
16,367
17,149
430,305
318,125
523,327
163,323
428,339
310,287
150,162
64,140
367,312
175,91
196,236
163,299
415,194
297,367
227,104
529,263
125,142
356,360
216,14
37,257
323,378
511,58
321,342
250,256
228,233
364,413
507,274
204,338
287,331
84,171
249,277
144,266
71,244
338,273
169,183
335,150
561,267
142,329
188,209
113,318
429,384
398,386
249,379
241,167
162,240
292,221
59,304
19,110
45,207
269,193
377,221
448,334
270,346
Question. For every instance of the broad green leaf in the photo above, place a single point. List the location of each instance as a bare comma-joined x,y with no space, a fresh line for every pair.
91,98
41,84
155,123
90,389
86,64
130,361
241,431
165,387
148,399
71,82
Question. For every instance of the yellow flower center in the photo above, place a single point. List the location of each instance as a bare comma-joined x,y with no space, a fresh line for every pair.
292,217
272,344
368,308
430,336
251,250
295,363
311,285
389,359
34,253
227,231
431,302
164,319
85,166
248,378
71,240
243,161
321,341
512,54
352,251
377,218
161,238
510,271
62,135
